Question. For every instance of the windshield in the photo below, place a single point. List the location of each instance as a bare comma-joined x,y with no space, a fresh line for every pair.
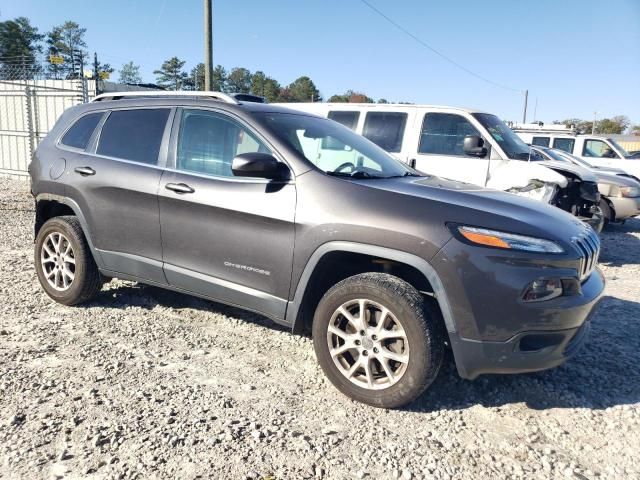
624,153
510,143
556,156
571,158
333,148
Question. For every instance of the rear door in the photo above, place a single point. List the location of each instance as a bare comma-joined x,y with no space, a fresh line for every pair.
440,148
225,237
387,129
115,183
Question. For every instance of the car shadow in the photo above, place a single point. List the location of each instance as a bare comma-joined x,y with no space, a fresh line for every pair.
149,297
619,245
603,374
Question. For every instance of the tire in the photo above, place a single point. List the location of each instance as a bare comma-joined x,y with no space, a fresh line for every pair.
607,212
77,279
414,336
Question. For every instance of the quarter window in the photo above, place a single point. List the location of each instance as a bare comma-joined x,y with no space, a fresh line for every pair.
385,129
79,134
443,134
133,135
598,149
564,144
540,141
208,142
348,119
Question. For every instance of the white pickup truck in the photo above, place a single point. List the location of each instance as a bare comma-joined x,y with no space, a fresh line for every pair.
461,144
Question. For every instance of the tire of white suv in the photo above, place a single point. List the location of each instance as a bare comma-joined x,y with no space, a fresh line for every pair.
64,264
387,357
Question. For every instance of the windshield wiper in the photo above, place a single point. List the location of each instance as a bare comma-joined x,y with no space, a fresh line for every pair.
358,174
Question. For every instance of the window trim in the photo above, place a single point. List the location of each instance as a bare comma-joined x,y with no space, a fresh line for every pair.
384,112
487,144
171,163
96,129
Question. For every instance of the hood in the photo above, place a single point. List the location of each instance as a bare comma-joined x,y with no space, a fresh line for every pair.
582,173
620,180
470,204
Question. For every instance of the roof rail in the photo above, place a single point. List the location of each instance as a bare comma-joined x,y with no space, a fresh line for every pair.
162,93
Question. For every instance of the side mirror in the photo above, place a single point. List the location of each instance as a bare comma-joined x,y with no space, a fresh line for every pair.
474,145
259,165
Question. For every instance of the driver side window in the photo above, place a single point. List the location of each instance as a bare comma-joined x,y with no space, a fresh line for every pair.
598,149
443,134
209,141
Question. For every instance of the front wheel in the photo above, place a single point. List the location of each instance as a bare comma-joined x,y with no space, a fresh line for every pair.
377,340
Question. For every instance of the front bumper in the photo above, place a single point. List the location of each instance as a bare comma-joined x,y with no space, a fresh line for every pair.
493,330
533,350
625,207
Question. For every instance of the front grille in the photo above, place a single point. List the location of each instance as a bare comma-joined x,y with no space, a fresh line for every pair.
588,244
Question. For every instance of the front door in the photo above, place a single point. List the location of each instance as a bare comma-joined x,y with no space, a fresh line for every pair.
224,237
440,149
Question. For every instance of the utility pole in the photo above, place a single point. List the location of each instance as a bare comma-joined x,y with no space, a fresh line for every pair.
208,46
535,110
593,126
526,99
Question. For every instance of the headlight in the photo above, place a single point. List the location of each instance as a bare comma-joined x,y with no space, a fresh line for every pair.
630,191
509,241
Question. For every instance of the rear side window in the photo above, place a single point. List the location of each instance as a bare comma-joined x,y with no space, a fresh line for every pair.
443,134
540,141
565,144
133,135
79,134
385,129
348,119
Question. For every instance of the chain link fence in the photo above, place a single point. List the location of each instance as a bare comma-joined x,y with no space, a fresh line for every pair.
30,104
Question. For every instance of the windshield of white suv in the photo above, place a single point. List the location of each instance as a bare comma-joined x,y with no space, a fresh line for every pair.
510,143
333,148
624,153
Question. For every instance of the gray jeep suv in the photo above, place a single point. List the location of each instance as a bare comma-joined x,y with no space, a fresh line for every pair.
298,218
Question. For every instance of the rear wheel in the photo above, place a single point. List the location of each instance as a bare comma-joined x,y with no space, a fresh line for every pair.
64,264
377,340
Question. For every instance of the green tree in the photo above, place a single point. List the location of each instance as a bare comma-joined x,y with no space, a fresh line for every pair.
303,89
196,78
613,126
383,100
351,97
265,86
19,44
219,79
239,80
130,73
635,130
171,74
67,41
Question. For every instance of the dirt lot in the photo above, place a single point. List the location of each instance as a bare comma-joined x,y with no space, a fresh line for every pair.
143,383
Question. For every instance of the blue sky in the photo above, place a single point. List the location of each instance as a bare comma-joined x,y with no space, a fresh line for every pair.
574,56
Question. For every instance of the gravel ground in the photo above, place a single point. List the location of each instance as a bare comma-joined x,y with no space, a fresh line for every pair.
144,383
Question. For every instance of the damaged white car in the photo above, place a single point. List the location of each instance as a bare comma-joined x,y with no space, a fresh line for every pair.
465,145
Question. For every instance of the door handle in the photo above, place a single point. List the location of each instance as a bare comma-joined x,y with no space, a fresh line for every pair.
179,188
85,171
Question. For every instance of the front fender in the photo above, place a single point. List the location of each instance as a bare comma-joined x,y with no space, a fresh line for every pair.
293,306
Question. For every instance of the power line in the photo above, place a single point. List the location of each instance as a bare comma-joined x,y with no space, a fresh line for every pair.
442,55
